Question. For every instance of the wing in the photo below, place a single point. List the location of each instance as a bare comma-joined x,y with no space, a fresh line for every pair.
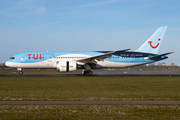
95,59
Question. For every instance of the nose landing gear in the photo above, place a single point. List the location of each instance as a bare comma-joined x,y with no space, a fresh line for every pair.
20,71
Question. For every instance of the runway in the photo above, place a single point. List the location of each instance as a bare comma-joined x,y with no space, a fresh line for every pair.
89,102
76,75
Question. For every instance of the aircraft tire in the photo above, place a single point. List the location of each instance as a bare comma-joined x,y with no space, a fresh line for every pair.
88,72
21,72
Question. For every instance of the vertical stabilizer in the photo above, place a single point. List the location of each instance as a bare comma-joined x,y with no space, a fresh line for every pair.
152,45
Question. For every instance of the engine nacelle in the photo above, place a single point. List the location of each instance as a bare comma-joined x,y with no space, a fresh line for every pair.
66,66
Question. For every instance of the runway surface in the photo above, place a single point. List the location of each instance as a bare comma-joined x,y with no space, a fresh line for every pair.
89,102
75,75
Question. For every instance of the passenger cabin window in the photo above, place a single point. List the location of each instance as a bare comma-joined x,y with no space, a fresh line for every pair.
12,58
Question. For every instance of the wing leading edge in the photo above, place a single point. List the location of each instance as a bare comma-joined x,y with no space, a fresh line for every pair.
95,59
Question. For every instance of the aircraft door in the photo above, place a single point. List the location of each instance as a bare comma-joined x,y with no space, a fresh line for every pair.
49,57
23,58
132,57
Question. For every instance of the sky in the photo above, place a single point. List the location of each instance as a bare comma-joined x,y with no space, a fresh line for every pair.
87,25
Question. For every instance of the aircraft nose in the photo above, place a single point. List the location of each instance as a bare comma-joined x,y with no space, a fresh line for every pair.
10,64
6,63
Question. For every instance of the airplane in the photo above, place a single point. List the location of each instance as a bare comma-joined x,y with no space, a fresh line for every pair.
71,61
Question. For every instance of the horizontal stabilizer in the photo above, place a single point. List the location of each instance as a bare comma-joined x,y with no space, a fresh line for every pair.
159,55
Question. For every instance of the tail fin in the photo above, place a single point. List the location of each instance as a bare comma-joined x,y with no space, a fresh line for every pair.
152,45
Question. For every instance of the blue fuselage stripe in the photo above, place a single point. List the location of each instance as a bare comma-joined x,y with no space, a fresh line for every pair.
123,57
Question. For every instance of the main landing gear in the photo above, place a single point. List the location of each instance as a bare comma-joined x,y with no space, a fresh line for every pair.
88,72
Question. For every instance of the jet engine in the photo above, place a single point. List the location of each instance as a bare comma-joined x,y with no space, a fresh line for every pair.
66,66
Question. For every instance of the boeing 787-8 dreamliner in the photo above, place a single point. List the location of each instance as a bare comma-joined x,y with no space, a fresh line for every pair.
71,61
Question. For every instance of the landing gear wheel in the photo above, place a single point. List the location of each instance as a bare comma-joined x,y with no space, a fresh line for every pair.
21,72
88,72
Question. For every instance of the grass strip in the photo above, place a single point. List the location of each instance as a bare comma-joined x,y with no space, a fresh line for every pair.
135,112
89,88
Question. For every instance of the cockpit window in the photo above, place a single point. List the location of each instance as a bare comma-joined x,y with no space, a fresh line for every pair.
12,58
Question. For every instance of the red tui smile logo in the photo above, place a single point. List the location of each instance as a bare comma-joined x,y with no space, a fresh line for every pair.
154,47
